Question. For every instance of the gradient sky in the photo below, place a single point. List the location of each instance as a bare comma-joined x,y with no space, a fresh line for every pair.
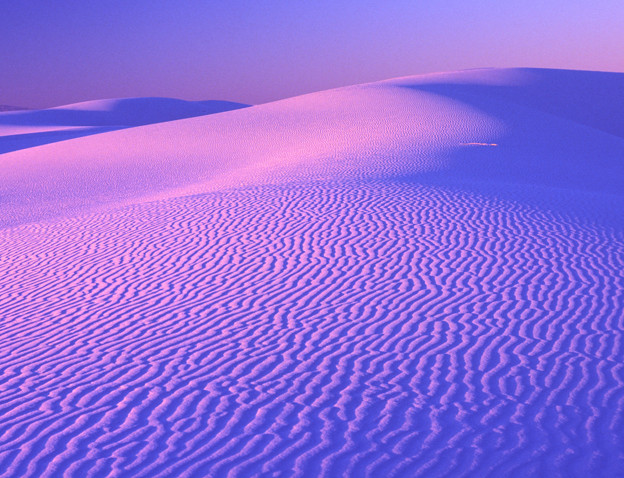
59,52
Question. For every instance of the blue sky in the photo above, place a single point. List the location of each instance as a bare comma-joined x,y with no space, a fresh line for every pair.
55,53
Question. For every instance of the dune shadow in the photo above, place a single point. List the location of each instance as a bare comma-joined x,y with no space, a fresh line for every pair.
562,129
16,142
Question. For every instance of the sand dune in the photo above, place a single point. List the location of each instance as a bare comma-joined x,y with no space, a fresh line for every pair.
391,129
417,277
11,108
27,129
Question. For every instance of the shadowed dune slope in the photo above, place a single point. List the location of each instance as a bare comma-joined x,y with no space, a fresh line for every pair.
414,278
592,98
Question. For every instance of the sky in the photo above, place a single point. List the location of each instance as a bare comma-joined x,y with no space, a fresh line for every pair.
60,52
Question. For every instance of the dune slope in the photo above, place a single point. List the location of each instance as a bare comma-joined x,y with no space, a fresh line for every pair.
417,277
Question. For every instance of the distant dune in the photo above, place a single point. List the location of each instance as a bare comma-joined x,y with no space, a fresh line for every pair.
26,129
416,277
116,112
10,108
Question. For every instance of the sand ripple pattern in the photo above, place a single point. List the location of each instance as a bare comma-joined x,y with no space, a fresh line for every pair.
364,329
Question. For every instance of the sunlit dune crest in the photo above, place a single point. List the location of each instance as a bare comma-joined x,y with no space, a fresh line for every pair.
479,144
